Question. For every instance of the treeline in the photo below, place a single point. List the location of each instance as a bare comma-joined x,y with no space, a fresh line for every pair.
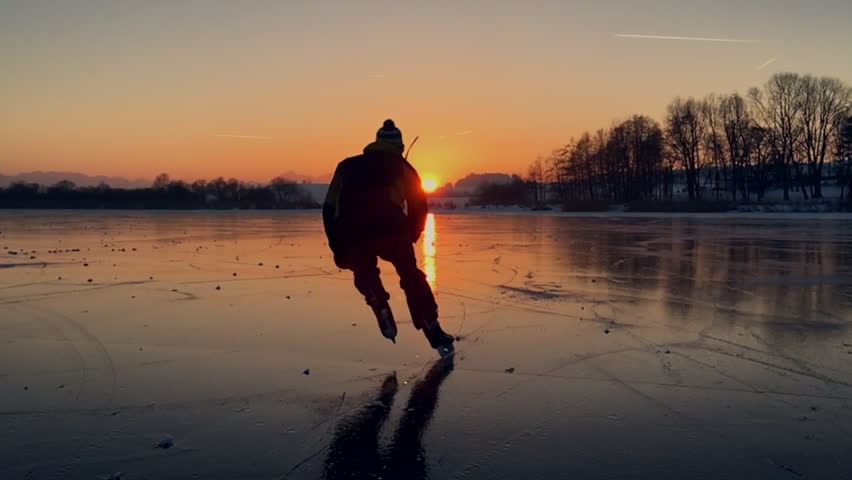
515,192
794,134
164,193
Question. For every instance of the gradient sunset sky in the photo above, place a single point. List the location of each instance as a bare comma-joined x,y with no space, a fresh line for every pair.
251,89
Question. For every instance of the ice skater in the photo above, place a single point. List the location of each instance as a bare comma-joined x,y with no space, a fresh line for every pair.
376,208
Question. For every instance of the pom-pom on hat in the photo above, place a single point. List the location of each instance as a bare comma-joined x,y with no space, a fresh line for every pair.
389,133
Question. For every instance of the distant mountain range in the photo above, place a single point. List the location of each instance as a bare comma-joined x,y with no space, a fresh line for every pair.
83,180
79,179
298,177
468,185
472,181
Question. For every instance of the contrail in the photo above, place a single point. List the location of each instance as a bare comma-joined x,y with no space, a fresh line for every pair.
466,132
765,64
691,39
252,137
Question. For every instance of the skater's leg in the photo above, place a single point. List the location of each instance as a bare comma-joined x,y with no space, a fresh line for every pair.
418,294
367,281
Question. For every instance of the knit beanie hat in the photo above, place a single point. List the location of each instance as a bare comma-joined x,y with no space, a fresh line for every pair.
389,134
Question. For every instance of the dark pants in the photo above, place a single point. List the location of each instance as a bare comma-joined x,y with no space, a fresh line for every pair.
362,259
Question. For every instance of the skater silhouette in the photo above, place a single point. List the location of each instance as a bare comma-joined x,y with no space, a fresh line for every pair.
376,208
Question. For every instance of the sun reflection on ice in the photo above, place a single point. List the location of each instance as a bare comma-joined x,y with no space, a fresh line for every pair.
430,238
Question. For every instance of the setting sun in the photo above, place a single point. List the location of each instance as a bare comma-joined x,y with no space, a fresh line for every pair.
430,184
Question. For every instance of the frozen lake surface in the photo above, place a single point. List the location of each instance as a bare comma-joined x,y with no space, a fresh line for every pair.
590,347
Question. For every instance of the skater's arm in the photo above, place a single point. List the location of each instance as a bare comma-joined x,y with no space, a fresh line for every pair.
330,209
418,206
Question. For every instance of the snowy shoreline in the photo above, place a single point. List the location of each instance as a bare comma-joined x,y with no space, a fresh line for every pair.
627,214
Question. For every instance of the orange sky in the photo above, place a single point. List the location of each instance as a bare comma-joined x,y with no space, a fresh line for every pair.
253,89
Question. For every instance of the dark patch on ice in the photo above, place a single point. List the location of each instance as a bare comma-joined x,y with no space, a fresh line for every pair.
539,294
41,296
185,295
808,325
30,264
800,280
167,442
786,468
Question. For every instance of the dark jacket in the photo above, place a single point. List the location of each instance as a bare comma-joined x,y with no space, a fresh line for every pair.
373,194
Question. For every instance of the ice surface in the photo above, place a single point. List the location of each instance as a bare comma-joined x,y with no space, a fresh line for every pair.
729,353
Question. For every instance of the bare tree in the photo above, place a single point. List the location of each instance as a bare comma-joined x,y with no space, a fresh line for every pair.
764,159
823,103
233,189
670,161
714,142
844,155
161,182
558,168
580,161
645,156
199,187
601,163
219,187
685,134
616,153
63,186
736,125
775,108
537,175
284,190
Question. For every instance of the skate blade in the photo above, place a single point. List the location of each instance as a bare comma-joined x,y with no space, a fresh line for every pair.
446,352
390,335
